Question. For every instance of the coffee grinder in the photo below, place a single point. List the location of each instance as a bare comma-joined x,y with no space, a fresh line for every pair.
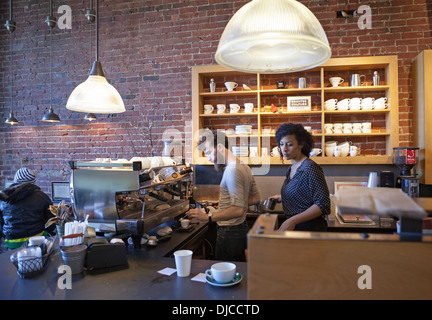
406,158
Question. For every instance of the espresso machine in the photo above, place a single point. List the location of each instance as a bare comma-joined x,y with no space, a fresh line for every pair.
406,159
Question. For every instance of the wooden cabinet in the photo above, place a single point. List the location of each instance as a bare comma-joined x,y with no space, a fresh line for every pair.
261,90
422,103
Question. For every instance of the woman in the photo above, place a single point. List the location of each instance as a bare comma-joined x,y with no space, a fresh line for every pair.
305,196
24,209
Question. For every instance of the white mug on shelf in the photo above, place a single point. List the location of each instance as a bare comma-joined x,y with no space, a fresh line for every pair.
367,103
355,103
380,103
356,128
220,108
328,127
343,104
347,127
208,109
315,152
353,151
249,107
330,104
366,127
337,128
337,151
234,108
275,152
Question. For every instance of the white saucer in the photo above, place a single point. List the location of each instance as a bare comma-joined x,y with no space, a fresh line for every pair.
237,278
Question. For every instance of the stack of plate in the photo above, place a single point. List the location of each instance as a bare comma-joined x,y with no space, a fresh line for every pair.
240,151
243,129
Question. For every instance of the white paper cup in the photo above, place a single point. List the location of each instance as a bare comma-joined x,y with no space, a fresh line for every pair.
183,261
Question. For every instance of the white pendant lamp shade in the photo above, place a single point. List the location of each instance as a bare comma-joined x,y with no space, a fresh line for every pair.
95,95
273,36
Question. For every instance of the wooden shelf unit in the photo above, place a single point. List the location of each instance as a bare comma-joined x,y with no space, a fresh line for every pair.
377,147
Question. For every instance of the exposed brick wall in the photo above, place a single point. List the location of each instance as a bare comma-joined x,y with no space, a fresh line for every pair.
147,49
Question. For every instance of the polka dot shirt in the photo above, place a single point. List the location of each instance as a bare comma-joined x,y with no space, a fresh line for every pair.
307,187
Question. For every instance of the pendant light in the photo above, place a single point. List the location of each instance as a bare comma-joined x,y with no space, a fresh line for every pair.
52,22
91,16
11,26
96,95
273,36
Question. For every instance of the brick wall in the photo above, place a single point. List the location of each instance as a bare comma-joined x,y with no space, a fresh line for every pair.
147,49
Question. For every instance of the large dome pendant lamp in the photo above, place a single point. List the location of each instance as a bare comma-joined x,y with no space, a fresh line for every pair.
96,95
52,22
11,26
273,36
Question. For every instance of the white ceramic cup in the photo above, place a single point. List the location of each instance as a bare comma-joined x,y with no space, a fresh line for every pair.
343,104
344,149
222,272
275,152
208,108
380,103
253,151
231,85
185,223
308,128
347,127
366,127
337,151
337,128
331,143
356,128
248,107
315,152
353,151
264,152
183,261
330,104
220,108
355,103
329,151
367,103
336,81
234,108
328,128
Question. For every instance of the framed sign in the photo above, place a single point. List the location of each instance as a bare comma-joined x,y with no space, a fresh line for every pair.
299,103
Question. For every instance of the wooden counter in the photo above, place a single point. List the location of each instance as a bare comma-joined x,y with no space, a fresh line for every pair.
318,265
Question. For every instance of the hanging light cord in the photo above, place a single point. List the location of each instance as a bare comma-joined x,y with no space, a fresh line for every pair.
97,31
11,71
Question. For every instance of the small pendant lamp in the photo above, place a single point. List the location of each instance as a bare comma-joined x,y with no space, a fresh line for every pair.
11,26
52,22
96,95
273,36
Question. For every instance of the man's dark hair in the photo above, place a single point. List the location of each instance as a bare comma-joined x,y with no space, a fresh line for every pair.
302,136
215,137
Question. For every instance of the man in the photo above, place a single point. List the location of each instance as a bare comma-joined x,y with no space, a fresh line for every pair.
24,209
238,191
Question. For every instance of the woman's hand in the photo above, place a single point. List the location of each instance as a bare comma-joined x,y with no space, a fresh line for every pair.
197,214
278,197
287,225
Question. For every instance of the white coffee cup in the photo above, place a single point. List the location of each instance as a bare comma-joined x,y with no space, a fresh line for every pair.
329,151
367,103
331,104
315,152
347,127
353,151
337,151
231,85
185,223
380,103
355,103
343,104
337,128
234,108
253,151
220,108
336,81
208,108
264,152
222,272
328,128
248,107
356,128
183,261
344,148
367,127
275,152
331,143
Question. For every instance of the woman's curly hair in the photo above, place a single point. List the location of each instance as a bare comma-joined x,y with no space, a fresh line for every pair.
303,137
